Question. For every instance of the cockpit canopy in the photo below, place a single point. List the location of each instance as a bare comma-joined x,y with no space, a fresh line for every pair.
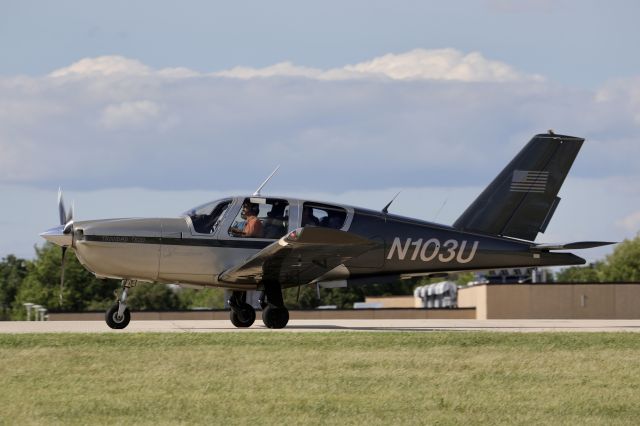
263,217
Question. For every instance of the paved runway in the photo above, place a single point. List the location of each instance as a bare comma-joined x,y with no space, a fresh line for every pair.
326,326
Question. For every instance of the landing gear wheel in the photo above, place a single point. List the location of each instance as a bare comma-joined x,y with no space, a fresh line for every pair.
275,316
244,317
116,322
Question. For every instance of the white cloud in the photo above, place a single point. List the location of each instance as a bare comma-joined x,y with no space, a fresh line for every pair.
418,64
135,113
182,129
178,73
282,69
115,65
441,64
103,65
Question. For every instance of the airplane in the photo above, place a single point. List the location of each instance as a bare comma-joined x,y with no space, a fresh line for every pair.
270,243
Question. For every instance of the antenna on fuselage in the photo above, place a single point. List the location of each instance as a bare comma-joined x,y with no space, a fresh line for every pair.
257,193
385,210
440,209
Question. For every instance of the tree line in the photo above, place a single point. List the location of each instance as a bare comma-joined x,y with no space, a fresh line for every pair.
38,281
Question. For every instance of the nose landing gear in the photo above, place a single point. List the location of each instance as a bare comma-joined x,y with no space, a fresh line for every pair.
118,315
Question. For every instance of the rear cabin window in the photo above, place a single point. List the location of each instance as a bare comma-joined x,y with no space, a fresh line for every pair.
314,214
261,218
207,217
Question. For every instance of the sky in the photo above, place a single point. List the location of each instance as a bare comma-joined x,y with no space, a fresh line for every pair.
150,108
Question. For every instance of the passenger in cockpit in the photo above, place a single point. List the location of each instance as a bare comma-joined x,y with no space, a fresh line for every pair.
275,225
308,219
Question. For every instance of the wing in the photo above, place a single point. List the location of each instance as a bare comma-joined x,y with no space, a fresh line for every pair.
300,257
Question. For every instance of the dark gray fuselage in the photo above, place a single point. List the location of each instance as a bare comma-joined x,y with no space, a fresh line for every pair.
169,250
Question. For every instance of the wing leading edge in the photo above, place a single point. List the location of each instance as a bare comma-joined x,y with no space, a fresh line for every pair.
299,258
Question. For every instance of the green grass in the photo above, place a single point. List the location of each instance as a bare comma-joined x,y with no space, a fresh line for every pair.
320,378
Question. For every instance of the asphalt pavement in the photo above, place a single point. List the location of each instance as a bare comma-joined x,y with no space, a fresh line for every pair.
297,326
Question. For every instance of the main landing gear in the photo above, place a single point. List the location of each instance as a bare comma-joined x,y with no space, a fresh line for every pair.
118,315
242,314
274,313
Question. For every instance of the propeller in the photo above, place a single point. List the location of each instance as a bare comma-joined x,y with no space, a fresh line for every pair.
66,217
66,220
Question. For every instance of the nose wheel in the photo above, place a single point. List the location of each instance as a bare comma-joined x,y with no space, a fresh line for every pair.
118,315
116,320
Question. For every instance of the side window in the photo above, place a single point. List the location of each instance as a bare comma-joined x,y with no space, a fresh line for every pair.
206,219
314,214
261,218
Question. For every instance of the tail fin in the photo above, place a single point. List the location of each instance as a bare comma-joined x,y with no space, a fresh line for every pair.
521,200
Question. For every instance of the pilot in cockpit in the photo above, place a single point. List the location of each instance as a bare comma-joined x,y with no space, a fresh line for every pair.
252,225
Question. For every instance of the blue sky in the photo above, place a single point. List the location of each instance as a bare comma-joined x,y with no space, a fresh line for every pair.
148,108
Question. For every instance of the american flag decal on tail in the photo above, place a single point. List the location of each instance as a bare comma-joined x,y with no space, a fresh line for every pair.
529,181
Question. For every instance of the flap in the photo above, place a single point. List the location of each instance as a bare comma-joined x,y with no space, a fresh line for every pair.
300,257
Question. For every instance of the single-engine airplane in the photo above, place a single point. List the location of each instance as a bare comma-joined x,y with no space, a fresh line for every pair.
269,243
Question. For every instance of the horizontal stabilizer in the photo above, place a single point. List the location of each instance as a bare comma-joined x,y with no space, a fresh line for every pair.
571,246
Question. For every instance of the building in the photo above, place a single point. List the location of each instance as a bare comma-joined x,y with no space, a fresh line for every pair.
537,301
553,301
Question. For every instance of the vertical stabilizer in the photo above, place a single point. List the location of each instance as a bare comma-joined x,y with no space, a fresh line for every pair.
521,200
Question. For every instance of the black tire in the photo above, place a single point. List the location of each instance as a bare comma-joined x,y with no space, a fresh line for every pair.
112,318
245,318
275,316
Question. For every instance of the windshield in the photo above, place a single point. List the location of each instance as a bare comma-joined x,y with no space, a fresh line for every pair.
207,217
